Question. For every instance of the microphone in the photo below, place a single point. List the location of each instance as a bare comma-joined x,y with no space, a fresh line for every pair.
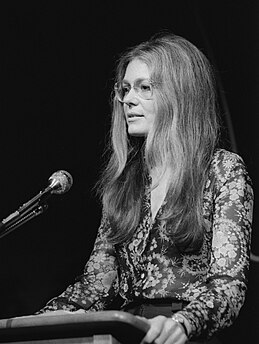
59,183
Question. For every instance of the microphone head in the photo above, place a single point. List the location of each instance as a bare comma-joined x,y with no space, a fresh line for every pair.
60,182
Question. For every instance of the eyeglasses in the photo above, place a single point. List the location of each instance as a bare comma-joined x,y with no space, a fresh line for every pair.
143,88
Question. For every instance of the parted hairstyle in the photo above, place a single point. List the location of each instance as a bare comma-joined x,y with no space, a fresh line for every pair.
184,135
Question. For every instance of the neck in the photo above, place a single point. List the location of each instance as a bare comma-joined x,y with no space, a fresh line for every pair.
159,175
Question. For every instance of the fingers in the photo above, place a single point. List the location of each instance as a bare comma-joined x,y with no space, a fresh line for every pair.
164,331
156,325
142,318
170,334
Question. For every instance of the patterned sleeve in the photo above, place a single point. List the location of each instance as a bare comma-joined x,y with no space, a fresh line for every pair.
216,304
97,286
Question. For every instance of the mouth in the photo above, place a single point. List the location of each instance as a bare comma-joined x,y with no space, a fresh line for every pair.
133,115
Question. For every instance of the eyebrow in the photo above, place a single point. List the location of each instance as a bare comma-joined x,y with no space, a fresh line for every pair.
136,80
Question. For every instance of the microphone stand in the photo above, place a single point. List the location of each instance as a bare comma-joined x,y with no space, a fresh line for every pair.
36,206
60,182
34,211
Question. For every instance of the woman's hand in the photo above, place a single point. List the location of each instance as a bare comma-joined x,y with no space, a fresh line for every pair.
164,330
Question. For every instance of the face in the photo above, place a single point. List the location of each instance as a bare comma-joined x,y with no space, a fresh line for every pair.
139,113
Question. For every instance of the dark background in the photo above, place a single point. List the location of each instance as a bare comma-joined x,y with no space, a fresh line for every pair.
57,64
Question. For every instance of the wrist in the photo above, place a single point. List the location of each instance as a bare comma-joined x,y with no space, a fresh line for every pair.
183,322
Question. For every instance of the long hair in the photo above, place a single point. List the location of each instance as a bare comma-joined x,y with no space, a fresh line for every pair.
185,133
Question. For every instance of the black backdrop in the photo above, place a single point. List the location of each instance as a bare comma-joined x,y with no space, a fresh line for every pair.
57,62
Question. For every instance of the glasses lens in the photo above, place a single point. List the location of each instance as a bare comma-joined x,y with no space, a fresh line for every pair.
119,91
143,88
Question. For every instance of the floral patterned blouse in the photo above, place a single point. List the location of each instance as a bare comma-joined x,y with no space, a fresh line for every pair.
213,281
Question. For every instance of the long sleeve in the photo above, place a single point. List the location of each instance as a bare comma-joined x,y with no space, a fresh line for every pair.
98,285
215,304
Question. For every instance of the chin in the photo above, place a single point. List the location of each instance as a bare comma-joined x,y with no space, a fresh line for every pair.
136,133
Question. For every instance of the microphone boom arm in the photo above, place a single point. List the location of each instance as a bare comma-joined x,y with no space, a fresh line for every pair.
35,210
25,208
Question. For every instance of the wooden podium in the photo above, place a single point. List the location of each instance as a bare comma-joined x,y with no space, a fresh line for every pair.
106,327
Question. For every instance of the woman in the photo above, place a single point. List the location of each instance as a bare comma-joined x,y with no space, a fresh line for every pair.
173,244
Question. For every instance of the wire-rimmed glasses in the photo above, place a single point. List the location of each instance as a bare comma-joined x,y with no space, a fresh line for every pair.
143,88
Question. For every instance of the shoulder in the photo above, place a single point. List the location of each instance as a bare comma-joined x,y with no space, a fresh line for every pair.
226,159
226,165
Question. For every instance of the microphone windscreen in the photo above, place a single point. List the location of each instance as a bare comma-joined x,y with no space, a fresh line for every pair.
60,182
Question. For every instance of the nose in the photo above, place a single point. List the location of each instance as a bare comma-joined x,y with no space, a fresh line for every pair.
131,97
